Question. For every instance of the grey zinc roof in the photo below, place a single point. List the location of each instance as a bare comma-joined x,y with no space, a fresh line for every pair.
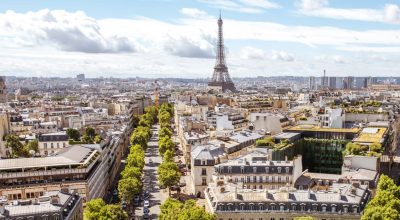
276,196
68,156
207,152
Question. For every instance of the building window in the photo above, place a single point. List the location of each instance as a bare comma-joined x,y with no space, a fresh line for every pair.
204,181
45,145
254,169
324,208
282,208
58,145
203,162
303,208
345,209
287,169
267,169
203,171
229,169
254,179
279,169
279,179
287,179
333,208
51,145
242,169
260,179
248,179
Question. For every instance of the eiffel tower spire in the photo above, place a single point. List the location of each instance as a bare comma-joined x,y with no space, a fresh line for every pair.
221,76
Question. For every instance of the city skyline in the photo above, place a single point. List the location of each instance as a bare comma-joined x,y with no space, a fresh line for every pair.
175,39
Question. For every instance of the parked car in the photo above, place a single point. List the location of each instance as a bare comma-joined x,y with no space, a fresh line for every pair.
162,187
146,203
146,194
136,200
146,210
123,205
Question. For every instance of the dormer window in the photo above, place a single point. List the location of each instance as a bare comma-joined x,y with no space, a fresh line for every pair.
267,169
229,169
287,169
242,169
279,169
203,162
254,169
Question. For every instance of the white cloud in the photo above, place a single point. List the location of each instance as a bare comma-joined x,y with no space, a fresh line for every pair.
252,53
320,8
168,48
282,56
195,13
66,31
312,4
336,59
245,6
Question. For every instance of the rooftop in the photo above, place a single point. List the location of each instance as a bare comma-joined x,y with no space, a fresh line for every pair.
318,128
371,135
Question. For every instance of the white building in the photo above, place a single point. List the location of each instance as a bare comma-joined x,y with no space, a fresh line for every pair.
269,122
52,143
333,118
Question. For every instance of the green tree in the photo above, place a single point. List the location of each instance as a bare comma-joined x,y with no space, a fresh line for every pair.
386,203
96,209
128,188
112,212
135,157
86,139
168,174
17,148
97,139
152,112
131,172
33,145
73,134
167,107
164,144
168,156
164,118
174,209
92,209
140,136
165,132
89,131
267,142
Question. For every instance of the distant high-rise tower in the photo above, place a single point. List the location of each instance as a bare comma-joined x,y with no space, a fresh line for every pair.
324,81
3,92
311,82
221,79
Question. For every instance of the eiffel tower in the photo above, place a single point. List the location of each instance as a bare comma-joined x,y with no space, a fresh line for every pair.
221,79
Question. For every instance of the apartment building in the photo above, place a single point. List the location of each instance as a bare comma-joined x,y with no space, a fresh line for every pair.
52,143
53,205
257,170
341,201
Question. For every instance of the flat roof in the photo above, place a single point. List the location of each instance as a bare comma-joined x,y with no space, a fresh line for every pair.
74,155
371,135
318,128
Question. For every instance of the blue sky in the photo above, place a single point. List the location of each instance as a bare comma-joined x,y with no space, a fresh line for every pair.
164,38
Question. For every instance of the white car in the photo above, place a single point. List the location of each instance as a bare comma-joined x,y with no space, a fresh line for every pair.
146,203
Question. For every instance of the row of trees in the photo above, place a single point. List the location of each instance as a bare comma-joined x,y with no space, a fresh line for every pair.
386,203
168,171
130,183
189,210
89,136
19,149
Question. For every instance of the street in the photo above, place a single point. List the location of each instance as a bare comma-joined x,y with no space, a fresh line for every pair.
157,196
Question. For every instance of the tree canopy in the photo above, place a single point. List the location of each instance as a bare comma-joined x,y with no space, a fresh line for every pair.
189,210
73,134
168,174
164,144
97,209
386,203
128,188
